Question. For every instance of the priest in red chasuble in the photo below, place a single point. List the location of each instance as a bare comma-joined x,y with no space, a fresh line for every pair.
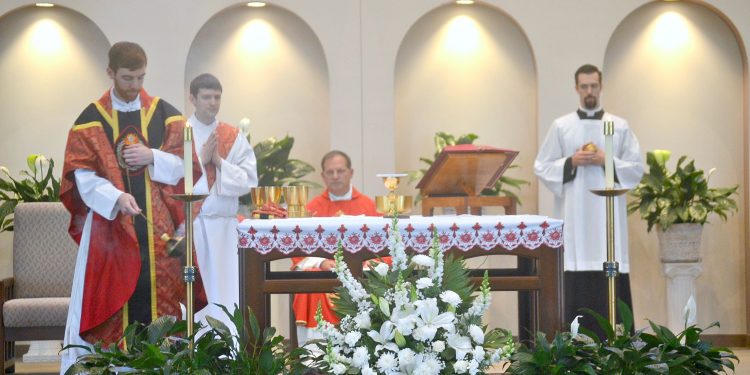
122,161
339,198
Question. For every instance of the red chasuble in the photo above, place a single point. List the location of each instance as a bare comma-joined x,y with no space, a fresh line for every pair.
306,305
129,276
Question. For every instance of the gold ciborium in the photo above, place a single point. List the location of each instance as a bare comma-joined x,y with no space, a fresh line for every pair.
392,204
296,200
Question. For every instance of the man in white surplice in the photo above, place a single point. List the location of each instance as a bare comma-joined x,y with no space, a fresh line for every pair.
570,163
229,171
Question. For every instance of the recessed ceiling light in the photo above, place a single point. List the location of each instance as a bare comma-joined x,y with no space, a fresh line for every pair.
45,5
256,4
464,2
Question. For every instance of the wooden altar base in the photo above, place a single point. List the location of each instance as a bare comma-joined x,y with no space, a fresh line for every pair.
538,279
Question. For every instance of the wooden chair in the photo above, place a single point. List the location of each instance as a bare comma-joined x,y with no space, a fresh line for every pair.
35,301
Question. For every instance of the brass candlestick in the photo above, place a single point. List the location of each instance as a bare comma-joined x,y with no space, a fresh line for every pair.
188,272
610,266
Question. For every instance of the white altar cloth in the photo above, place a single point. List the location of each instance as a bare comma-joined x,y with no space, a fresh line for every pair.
362,232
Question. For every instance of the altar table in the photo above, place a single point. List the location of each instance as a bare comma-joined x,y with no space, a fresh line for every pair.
535,240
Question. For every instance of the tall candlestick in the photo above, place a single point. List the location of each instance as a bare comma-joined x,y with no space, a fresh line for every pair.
187,157
609,165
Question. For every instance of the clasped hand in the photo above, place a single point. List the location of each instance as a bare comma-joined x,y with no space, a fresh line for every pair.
581,157
210,151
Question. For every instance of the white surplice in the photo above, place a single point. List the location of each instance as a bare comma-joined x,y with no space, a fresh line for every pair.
583,212
215,228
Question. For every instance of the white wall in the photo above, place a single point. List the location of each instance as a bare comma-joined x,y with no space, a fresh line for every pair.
361,44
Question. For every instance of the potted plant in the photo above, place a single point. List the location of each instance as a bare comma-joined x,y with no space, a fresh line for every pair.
38,185
623,352
678,203
162,348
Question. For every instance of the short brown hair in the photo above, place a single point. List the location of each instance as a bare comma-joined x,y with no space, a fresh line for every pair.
333,153
126,55
588,69
204,81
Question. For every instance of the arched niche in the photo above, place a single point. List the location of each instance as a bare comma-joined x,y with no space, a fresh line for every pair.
52,61
52,64
675,71
273,71
467,69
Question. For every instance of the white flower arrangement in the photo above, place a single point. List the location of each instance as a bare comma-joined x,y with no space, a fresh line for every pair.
417,316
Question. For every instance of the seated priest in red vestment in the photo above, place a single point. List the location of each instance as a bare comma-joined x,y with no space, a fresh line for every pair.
123,159
339,198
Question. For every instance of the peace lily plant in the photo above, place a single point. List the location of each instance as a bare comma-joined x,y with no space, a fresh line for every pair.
666,197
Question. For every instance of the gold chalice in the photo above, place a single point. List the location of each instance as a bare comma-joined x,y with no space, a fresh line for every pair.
392,204
296,200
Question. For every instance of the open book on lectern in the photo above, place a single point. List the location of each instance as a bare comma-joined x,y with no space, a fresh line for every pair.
465,170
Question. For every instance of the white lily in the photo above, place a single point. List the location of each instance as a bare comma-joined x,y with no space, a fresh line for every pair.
690,312
461,344
574,326
429,319
384,338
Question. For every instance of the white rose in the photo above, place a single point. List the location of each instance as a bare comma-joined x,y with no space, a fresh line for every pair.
438,346
381,269
424,282
461,367
362,320
450,297
423,260
405,357
477,334
338,368
360,357
352,338
478,353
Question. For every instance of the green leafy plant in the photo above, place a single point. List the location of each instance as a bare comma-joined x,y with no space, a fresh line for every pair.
681,196
38,185
275,168
161,348
660,352
505,185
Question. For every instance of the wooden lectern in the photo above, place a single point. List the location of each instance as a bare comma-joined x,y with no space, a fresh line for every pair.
458,176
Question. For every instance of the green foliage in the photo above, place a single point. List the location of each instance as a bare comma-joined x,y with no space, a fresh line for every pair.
39,185
660,352
502,186
682,196
162,349
274,166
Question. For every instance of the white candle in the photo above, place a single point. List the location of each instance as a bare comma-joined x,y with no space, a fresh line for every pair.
609,165
187,158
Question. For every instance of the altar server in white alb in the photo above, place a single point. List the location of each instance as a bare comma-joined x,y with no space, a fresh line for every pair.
229,171
570,163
